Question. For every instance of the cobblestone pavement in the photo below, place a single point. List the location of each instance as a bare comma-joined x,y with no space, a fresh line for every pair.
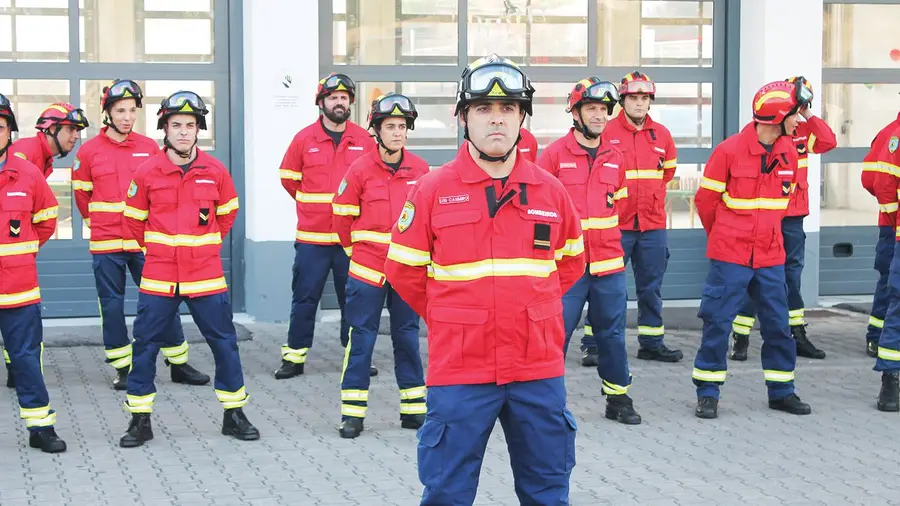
844,453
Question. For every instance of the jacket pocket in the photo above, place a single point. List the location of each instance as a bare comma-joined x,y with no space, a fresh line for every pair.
455,236
376,204
457,336
106,180
546,331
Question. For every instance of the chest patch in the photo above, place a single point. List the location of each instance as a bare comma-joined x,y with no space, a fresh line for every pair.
454,199
16,194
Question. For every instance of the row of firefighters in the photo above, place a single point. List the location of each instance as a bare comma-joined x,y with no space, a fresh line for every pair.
499,251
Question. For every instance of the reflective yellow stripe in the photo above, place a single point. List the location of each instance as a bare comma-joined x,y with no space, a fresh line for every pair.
622,193
348,251
408,256
192,287
778,376
888,208
228,207
294,356
290,174
136,214
233,400
18,248
114,245
119,357
189,241
345,209
803,163
888,168
413,408
740,329
106,207
413,393
644,174
600,223
588,330
38,417
370,236
11,299
604,266
670,164
746,321
572,248
796,317
757,203
152,285
811,143
353,411
176,354
85,186
492,267
613,389
651,331
139,403
317,237
712,184
355,395
314,198
888,354
366,273
45,214
875,322
712,376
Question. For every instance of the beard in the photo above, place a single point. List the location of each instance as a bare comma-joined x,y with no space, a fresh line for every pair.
337,114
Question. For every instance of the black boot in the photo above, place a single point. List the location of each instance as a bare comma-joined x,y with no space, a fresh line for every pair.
288,370
184,373
790,404
121,380
47,440
10,379
739,345
236,424
590,357
889,398
804,347
351,428
139,431
373,371
412,421
660,354
707,407
871,349
621,409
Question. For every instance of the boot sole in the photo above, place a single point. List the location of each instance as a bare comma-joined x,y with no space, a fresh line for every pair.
48,450
706,416
135,444
888,408
785,410
192,383
615,416
240,437
738,358
345,435
656,358
286,376
815,357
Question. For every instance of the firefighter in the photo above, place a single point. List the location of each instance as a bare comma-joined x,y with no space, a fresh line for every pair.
100,176
811,136
180,205
591,173
884,160
527,145
28,221
367,203
484,249
311,171
59,128
876,162
742,199
650,160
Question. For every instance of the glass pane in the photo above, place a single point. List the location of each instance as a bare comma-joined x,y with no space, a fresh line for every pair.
436,127
550,120
29,97
844,201
680,197
856,112
535,32
856,36
154,31
654,33
686,110
61,183
395,32
34,31
154,93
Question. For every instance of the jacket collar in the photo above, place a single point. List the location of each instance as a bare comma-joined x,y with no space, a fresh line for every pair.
783,144
469,172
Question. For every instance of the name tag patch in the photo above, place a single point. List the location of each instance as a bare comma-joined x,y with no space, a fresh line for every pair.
454,199
545,214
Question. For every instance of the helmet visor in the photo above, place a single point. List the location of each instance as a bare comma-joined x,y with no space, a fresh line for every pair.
332,82
804,94
124,89
75,118
639,87
387,105
185,101
484,81
602,92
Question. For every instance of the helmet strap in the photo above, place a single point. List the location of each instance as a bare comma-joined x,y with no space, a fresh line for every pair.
109,122
377,129
579,124
54,136
5,148
183,154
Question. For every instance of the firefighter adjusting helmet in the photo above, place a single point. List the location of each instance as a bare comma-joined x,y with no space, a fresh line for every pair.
637,82
121,89
774,102
182,102
335,82
7,112
494,78
392,105
592,89
804,90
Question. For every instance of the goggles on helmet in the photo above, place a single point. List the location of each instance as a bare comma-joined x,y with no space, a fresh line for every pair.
387,104
496,81
637,86
185,101
123,89
332,82
602,92
804,94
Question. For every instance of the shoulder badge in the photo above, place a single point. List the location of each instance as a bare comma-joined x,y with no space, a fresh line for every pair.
406,216
342,187
893,144
76,165
132,189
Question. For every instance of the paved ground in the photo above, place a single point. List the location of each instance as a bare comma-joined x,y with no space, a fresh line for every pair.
844,453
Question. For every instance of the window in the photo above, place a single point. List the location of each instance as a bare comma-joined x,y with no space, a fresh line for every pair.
845,203
436,127
686,110
856,112
680,209
34,30
856,36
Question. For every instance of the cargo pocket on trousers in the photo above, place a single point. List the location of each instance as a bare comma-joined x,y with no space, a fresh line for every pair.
431,452
711,302
570,439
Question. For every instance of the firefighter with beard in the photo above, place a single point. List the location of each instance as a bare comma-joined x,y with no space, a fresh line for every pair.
59,128
311,171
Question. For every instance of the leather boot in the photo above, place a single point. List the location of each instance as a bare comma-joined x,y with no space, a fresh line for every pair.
804,347
621,409
288,370
739,345
590,357
871,349
351,428
47,440
889,397
660,354
121,380
139,431
237,425
412,421
790,404
707,407
184,373
373,371
10,379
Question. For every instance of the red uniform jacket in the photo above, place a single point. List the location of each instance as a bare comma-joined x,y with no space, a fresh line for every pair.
880,161
650,161
596,190
181,219
367,205
528,146
311,171
101,174
488,279
28,211
812,136
37,151
740,206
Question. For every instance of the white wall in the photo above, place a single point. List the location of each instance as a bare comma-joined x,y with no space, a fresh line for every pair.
280,39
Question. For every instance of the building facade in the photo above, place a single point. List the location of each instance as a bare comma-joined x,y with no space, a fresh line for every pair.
257,63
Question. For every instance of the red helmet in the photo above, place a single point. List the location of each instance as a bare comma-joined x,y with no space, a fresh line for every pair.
592,89
119,90
393,105
804,90
774,102
7,112
61,114
335,82
637,82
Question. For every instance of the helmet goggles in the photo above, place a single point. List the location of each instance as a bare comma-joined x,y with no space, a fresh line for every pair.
496,81
638,86
121,90
602,92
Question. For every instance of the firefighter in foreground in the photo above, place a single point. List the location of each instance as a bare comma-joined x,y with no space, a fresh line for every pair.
100,176
885,152
311,171
650,161
591,173
59,128
876,162
810,136
181,205
742,199
484,250
368,202
28,221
